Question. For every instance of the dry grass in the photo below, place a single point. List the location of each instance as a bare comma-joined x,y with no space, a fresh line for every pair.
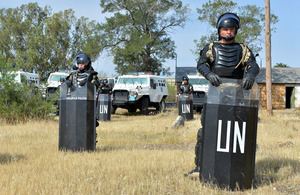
139,155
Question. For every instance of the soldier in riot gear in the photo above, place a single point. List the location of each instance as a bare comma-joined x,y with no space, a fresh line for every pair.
225,59
84,72
106,88
186,88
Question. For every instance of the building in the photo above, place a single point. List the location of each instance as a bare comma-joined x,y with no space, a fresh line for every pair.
285,86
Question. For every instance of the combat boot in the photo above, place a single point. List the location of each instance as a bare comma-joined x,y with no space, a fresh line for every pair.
196,170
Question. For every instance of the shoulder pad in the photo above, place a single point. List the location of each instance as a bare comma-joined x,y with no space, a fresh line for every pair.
209,53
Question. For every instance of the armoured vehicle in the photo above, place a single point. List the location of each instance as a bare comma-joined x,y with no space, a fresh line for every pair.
53,81
139,91
200,85
25,77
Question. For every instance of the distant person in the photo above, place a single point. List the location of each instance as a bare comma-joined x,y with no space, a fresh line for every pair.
185,88
225,58
62,80
106,88
101,85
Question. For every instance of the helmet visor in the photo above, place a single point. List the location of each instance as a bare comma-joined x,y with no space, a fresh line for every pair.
226,17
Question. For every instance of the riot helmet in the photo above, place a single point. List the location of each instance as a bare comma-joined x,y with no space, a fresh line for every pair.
105,81
228,20
185,78
83,59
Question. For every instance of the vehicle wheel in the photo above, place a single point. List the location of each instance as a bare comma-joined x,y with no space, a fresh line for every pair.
113,109
132,109
161,106
145,105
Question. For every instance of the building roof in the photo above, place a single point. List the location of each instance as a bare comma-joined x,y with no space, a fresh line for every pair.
279,75
183,71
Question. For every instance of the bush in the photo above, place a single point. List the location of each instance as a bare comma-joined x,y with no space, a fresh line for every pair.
172,93
20,102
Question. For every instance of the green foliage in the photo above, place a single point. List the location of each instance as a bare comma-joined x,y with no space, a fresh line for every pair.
137,33
252,23
172,93
35,39
20,102
281,65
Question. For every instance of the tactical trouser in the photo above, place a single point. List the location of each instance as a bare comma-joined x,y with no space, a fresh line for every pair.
198,146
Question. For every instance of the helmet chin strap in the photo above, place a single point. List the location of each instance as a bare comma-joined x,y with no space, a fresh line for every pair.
228,38
83,69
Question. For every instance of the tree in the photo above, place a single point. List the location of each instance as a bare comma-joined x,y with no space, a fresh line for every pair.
252,23
137,34
35,39
20,102
281,65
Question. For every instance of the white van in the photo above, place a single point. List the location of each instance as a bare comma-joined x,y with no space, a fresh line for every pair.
53,81
25,77
140,91
200,86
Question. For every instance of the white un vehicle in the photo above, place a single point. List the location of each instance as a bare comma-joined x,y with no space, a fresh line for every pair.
200,86
22,77
53,81
140,91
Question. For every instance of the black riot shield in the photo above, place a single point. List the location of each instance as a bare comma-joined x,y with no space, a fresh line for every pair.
77,117
229,135
185,106
104,107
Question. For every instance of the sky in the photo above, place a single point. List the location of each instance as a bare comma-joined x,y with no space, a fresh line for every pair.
285,41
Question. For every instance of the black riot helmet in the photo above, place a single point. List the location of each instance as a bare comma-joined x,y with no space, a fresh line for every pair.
228,20
185,78
105,81
83,59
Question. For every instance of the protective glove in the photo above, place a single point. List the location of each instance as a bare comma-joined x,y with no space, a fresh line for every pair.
248,81
69,83
214,79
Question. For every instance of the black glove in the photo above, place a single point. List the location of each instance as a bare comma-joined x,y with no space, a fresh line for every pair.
69,83
214,79
248,81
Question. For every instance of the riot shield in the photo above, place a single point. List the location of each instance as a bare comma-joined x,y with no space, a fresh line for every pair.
104,107
77,118
229,135
185,106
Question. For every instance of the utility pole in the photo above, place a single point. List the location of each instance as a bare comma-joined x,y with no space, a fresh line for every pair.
268,58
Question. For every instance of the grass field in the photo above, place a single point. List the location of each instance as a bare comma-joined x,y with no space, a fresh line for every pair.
140,155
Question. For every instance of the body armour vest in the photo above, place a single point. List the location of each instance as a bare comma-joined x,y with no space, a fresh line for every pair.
226,58
80,77
186,88
105,90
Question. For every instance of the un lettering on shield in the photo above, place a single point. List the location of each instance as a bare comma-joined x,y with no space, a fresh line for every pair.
103,109
239,137
186,108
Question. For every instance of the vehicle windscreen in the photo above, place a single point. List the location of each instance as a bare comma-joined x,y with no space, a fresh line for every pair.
12,76
134,81
198,81
57,77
